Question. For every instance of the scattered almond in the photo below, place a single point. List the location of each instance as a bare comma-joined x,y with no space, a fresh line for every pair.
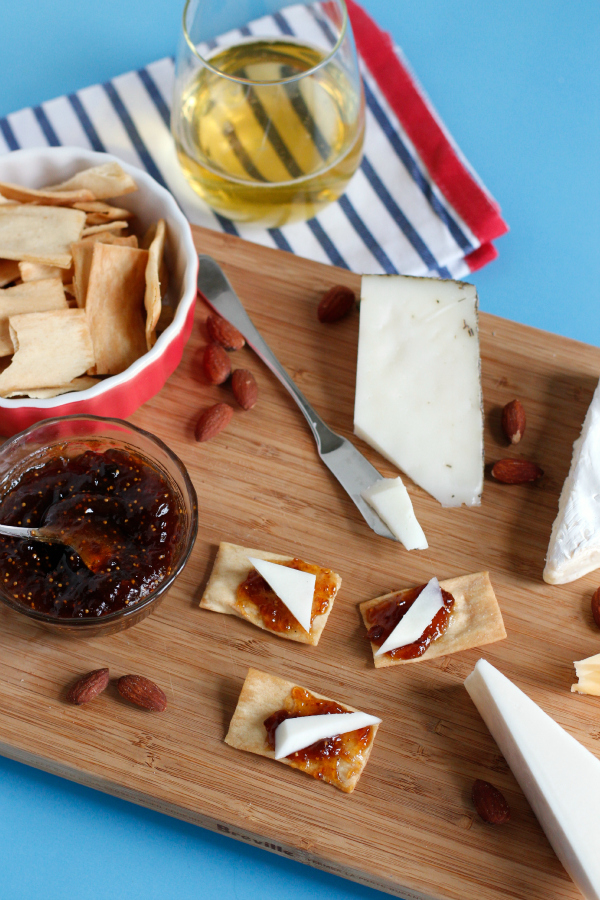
596,607
513,421
336,303
490,803
516,471
213,420
244,387
142,692
217,367
222,332
88,686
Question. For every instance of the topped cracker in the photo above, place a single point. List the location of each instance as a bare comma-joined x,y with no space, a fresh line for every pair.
232,567
475,619
261,696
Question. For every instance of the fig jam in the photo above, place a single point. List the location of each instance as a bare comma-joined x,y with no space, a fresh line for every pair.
383,618
255,593
333,759
132,509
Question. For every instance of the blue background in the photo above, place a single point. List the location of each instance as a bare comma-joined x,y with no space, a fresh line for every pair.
517,83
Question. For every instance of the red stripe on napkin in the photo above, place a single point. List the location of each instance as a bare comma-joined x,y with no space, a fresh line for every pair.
479,258
476,207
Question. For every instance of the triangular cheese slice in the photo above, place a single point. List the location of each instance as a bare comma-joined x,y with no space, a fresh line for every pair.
414,622
418,388
559,777
574,548
296,734
294,588
390,500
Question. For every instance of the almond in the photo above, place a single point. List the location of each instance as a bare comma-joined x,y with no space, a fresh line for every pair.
516,471
336,303
244,387
222,332
513,421
596,607
88,687
142,692
213,420
217,367
490,803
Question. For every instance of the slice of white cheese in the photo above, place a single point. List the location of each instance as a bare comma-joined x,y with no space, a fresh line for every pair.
412,625
588,676
574,548
389,498
559,777
294,588
296,734
418,386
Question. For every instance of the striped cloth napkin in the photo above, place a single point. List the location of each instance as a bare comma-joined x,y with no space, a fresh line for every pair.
415,206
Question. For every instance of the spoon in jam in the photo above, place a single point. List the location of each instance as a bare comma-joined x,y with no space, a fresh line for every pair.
82,523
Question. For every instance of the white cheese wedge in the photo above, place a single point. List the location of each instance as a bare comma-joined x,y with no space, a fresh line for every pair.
294,588
559,777
574,548
588,676
418,386
412,625
389,498
296,734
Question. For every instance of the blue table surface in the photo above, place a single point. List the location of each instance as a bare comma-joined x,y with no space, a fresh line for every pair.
518,85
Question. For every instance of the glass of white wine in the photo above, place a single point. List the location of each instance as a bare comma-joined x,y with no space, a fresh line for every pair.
268,113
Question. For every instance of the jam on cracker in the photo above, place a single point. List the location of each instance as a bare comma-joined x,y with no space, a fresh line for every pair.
255,592
331,759
383,618
126,514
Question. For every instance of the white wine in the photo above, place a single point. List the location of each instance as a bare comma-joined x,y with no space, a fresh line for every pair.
265,149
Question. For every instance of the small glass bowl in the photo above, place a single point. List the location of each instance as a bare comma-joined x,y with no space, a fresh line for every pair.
81,433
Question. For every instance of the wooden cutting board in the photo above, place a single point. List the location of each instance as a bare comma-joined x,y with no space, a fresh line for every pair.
409,828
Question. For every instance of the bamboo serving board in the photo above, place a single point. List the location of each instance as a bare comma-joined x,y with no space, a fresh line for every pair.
409,828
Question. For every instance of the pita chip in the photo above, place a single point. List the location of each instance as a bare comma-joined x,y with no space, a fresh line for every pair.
114,306
9,271
82,262
107,237
36,271
41,234
108,180
107,226
78,384
22,194
30,297
51,348
152,295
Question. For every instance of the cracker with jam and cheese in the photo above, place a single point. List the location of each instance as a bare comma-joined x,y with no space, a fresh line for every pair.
433,620
281,594
307,731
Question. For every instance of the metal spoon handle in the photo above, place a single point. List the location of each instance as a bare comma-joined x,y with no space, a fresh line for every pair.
14,531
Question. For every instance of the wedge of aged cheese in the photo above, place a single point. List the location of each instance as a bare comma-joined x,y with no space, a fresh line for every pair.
294,588
559,777
389,498
418,386
412,625
588,676
296,734
574,548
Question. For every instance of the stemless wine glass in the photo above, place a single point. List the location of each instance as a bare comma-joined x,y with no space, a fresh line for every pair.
268,113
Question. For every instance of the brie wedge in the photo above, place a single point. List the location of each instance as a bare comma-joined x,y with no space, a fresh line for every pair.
294,588
559,777
418,386
389,498
296,734
574,548
588,676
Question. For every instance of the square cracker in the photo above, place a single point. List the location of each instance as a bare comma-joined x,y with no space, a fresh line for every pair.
230,569
261,696
51,348
41,234
476,619
29,297
114,306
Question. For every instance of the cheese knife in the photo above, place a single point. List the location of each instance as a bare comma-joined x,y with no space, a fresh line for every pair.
352,470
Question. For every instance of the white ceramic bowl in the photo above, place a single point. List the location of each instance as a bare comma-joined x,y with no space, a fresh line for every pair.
119,395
